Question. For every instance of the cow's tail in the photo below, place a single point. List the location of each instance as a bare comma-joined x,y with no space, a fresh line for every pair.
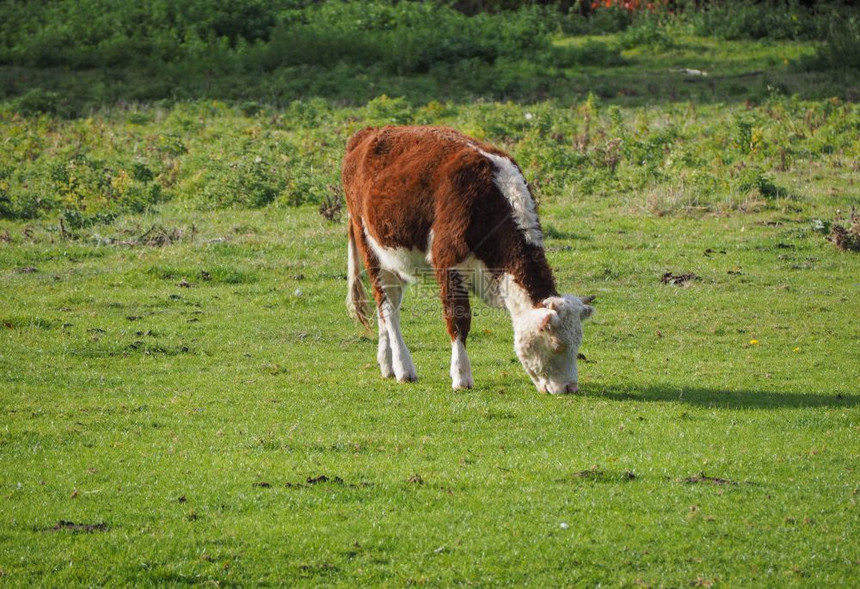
356,298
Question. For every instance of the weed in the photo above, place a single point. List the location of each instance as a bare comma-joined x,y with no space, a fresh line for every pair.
846,238
332,205
754,179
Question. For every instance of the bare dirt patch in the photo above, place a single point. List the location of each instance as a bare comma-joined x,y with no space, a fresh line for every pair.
602,476
73,527
703,478
324,479
678,279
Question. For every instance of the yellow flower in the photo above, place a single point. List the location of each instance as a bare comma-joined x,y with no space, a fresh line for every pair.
753,342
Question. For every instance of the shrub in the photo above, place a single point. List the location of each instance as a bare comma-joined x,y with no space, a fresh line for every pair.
748,19
841,48
247,181
83,183
383,110
591,53
753,179
38,101
648,32
75,220
403,38
603,20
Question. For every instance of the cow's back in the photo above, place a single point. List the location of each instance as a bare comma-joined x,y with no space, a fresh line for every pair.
401,182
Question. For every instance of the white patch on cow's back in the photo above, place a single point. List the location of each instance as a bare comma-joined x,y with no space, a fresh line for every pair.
512,184
407,263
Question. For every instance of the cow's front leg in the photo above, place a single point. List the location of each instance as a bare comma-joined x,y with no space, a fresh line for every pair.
461,368
389,316
458,320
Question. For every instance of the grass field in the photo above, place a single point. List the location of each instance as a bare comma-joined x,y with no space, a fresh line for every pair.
177,429
184,400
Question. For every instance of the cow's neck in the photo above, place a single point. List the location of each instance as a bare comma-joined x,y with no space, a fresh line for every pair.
526,283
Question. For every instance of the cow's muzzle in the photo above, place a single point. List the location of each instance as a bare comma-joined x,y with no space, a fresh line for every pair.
560,388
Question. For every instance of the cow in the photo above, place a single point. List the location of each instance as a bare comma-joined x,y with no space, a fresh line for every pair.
430,199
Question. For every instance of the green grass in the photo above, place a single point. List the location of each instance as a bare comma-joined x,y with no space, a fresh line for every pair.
187,420
178,371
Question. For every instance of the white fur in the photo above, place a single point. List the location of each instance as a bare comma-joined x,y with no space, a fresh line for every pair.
389,316
383,354
405,262
516,298
461,368
429,254
399,266
480,281
512,184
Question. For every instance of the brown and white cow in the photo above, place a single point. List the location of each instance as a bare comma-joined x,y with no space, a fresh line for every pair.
422,198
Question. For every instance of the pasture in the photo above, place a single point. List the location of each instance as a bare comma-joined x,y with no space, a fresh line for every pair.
184,400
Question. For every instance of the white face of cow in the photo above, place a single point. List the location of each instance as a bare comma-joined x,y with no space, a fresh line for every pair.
547,340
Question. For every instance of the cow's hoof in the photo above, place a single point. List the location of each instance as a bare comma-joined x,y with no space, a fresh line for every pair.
463,384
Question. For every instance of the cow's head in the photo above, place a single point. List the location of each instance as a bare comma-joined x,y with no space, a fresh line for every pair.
547,340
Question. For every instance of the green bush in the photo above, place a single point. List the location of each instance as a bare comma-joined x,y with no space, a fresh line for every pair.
613,19
841,48
403,38
591,53
749,19
648,32
754,179
250,180
38,101
74,220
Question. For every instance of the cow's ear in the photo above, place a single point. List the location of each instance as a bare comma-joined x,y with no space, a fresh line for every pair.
549,318
586,312
553,303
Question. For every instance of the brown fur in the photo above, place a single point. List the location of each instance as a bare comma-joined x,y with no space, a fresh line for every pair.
401,182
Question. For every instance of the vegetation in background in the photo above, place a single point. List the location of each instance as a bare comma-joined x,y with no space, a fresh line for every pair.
113,108
677,158
69,57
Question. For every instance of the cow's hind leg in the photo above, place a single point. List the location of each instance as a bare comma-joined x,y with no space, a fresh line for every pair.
391,344
383,353
458,319
388,292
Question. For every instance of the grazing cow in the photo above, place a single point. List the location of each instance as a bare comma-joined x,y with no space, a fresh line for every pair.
422,198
